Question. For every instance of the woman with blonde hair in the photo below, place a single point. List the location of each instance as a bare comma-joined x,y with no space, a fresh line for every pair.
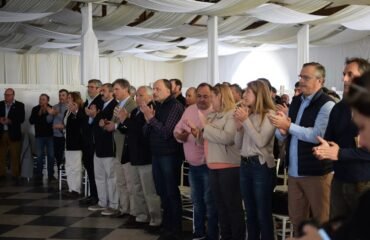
72,124
255,139
223,160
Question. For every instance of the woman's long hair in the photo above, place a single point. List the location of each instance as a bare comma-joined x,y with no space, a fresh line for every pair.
227,99
264,101
76,97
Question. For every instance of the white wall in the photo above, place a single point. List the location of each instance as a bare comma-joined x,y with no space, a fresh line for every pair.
278,66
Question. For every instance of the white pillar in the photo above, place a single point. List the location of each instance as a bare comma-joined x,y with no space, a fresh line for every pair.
303,46
89,47
213,74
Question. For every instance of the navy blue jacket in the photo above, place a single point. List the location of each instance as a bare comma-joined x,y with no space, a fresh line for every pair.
353,163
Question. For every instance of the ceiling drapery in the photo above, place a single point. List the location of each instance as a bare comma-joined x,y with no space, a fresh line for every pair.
175,30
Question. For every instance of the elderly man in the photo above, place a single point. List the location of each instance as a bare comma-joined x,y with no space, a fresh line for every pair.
166,155
11,117
138,154
352,163
203,204
309,178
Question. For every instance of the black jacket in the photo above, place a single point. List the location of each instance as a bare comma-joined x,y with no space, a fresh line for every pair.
74,131
16,115
87,129
353,163
43,128
137,146
104,141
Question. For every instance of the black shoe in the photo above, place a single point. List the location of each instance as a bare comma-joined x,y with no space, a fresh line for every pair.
71,195
52,179
88,201
132,223
155,230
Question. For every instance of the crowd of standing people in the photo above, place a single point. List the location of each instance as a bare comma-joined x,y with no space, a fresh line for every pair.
132,144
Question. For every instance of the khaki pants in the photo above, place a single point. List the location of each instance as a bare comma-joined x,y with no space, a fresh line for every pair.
309,195
14,149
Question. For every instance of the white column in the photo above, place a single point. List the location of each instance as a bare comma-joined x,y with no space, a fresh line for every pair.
303,46
213,74
89,47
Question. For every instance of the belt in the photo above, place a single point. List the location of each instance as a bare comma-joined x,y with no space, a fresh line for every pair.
250,158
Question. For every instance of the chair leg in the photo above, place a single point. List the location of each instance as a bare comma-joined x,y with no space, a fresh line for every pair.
284,228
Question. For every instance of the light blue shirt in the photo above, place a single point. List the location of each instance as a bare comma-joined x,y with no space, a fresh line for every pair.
306,134
7,109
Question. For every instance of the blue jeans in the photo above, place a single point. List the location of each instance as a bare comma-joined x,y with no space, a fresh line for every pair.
43,143
257,182
166,175
204,208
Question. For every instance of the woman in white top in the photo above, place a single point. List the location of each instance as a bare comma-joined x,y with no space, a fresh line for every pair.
255,139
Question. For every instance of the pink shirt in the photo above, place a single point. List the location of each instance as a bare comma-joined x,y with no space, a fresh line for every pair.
194,152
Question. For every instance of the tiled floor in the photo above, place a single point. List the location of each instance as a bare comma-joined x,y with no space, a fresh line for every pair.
29,212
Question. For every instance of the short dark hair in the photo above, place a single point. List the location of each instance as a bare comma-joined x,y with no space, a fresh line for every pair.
109,86
363,64
296,85
204,84
273,89
177,82
238,89
63,90
122,82
167,84
359,94
45,95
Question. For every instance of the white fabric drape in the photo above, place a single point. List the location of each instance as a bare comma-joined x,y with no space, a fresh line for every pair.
180,6
89,47
278,14
21,17
44,33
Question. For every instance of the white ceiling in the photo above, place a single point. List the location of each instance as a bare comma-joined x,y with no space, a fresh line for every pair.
175,30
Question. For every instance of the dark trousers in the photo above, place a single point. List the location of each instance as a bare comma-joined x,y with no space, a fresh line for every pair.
257,183
59,148
88,162
204,207
166,174
225,186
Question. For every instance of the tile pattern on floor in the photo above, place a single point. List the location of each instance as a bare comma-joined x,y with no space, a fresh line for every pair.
39,212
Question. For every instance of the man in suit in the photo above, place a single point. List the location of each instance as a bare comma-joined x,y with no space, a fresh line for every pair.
104,158
11,117
121,90
93,104
148,204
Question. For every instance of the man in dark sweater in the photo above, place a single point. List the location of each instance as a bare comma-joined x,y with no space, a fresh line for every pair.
309,179
166,155
352,163
44,137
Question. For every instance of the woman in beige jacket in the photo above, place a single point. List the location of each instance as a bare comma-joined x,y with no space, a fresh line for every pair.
255,139
223,160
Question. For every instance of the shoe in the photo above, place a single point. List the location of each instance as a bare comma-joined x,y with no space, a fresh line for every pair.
71,195
132,223
52,179
198,236
96,207
109,212
155,230
88,201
